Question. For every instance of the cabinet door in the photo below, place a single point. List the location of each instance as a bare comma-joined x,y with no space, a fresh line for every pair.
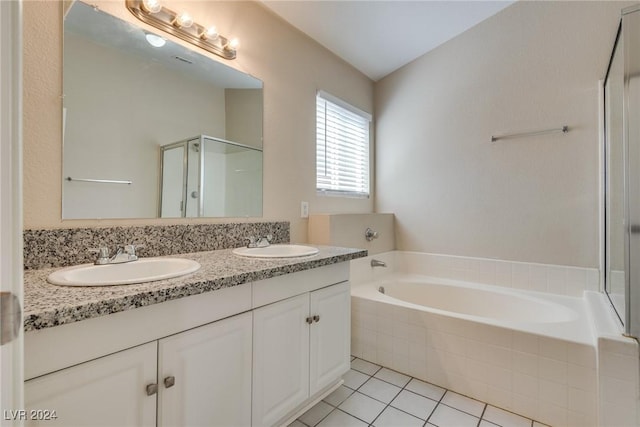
330,341
204,375
280,359
109,391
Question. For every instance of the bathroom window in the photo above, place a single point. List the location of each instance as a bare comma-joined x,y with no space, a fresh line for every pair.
342,148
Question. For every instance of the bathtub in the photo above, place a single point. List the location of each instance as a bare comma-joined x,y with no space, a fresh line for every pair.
532,353
560,317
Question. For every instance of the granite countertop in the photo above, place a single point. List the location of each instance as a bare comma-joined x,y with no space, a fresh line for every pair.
47,305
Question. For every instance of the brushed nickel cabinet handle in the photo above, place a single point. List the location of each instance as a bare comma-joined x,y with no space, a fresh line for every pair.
152,389
169,381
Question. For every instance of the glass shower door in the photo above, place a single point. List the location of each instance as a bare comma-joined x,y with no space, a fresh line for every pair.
172,202
615,181
631,36
622,173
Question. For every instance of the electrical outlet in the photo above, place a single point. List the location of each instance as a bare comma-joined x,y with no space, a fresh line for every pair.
304,209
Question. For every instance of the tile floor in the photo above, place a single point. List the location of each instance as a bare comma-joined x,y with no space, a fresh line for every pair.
375,396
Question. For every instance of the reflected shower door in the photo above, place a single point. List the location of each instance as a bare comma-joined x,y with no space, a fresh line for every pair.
173,182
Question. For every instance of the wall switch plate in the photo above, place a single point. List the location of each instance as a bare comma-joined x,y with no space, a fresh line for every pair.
304,209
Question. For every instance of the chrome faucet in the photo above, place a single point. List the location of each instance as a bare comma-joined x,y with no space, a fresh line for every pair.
103,255
126,253
259,242
378,263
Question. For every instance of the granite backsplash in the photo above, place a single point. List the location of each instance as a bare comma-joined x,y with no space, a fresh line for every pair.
70,246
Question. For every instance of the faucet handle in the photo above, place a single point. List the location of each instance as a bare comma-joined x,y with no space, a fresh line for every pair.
252,241
103,254
370,234
102,251
131,251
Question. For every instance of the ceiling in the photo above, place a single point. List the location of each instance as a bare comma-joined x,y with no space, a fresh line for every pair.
378,37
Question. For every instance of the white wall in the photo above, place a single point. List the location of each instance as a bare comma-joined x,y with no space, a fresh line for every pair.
243,112
533,66
292,67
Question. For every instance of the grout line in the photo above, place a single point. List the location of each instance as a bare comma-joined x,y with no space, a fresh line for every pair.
377,370
394,397
438,404
482,415
463,411
403,388
330,412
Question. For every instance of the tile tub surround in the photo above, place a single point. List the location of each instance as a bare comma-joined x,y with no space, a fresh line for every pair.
618,368
545,378
548,278
542,378
69,246
47,305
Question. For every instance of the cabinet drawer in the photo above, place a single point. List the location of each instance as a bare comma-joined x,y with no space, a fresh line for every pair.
282,287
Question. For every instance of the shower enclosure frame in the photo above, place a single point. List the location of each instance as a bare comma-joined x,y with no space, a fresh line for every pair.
185,170
630,133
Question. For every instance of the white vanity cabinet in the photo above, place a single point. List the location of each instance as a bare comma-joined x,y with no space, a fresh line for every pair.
300,347
254,353
109,391
198,377
330,336
204,375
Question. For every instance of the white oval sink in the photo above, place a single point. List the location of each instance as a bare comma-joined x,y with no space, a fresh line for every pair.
277,251
142,270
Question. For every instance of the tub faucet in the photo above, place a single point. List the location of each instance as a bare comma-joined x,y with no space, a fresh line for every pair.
378,263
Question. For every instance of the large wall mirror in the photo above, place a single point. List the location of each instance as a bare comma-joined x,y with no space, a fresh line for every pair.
130,108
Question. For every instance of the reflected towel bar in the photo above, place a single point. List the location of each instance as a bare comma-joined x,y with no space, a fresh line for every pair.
563,129
102,181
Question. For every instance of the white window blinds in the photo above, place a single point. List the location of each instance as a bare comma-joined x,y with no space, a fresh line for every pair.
342,148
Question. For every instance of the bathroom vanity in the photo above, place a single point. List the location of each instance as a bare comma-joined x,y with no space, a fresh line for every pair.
239,342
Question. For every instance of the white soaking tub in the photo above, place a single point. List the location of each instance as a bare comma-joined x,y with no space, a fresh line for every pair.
532,353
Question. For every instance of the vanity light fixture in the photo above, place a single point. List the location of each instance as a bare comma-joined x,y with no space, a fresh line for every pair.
232,44
151,6
210,34
182,25
183,20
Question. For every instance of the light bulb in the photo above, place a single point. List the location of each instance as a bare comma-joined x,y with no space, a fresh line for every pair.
232,44
210,33
151,6
183,20
155,40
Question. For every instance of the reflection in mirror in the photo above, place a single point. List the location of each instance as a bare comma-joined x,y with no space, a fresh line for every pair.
220,179
614,176
125,99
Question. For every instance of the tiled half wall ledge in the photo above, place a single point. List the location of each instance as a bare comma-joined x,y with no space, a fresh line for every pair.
550,278
70,246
